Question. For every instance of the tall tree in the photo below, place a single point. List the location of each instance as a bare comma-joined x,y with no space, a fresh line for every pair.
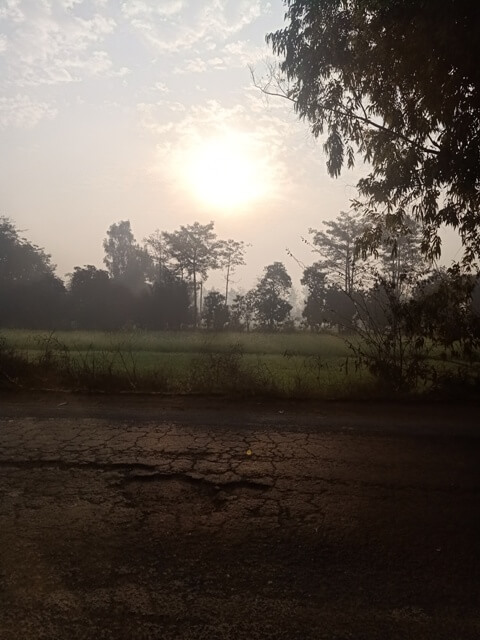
314,279
90,294
242,311
271,306
125,260
215,312
31,295
194,251
400,260
337,248
157,249
231,254
398,82
20,260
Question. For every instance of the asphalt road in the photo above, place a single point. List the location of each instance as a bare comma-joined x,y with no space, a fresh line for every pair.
146,518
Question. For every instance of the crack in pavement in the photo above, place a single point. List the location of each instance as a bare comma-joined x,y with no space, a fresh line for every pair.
145,529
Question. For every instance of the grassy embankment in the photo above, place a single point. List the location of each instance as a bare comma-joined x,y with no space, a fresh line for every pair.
297,364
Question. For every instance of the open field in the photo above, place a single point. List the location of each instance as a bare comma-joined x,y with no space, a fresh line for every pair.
296,365
300,364
301,344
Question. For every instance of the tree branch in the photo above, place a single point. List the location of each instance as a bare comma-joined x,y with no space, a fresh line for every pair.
361,118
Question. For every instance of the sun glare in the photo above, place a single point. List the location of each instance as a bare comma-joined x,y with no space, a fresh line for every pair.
227,173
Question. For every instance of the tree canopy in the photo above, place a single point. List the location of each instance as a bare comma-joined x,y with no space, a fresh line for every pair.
125,260
193,249
398,82
271,306
20,260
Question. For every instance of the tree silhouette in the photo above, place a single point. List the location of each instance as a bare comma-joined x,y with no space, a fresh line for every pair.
125,260
193,249
271,306
398,83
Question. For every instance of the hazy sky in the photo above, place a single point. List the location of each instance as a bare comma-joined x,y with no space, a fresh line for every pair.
146,111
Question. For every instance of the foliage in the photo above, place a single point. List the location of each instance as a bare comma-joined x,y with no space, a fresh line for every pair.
337,248
126,261
400,262
395,355
20,260
397,82
31,295
279,364
443,310
242,311
156,247
215,312
270,304
314,279
231,254
193,249
168,304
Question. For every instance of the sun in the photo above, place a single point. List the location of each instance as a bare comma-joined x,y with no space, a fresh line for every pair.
227,172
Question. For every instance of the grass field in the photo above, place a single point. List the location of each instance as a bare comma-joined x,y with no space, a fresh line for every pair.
302,344
293,364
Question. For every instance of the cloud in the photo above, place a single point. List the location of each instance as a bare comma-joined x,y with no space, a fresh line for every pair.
11,11
200,65
177,25
242,53
138,10
161,87
21,111
53,45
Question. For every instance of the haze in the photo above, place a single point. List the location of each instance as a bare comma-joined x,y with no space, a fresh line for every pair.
146,111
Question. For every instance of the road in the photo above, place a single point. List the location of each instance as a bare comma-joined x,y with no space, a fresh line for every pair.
128,518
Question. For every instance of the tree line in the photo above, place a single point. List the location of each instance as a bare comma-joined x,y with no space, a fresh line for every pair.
155,285
160,284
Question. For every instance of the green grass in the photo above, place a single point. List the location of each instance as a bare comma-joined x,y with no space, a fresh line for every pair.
293,364
298,364
300,344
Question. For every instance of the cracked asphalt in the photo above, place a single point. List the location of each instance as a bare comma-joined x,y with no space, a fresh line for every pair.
144,518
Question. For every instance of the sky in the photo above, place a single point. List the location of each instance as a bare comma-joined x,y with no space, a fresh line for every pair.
146,110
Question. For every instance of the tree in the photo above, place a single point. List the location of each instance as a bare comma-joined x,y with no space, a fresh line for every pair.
215,312
399,83
337,247
231,254
271,306
314,279
156,247
242,311
400,262
20,260
90,294
194,251
31,295
443,310
38,303
165,305
125,260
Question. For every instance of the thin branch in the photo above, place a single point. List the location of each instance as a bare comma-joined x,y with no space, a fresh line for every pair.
365,119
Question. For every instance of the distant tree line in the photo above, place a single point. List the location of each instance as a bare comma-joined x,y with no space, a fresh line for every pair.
157,285
160,284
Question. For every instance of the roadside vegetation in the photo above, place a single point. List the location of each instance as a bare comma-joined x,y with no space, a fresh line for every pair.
380,314
286,365
379,318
